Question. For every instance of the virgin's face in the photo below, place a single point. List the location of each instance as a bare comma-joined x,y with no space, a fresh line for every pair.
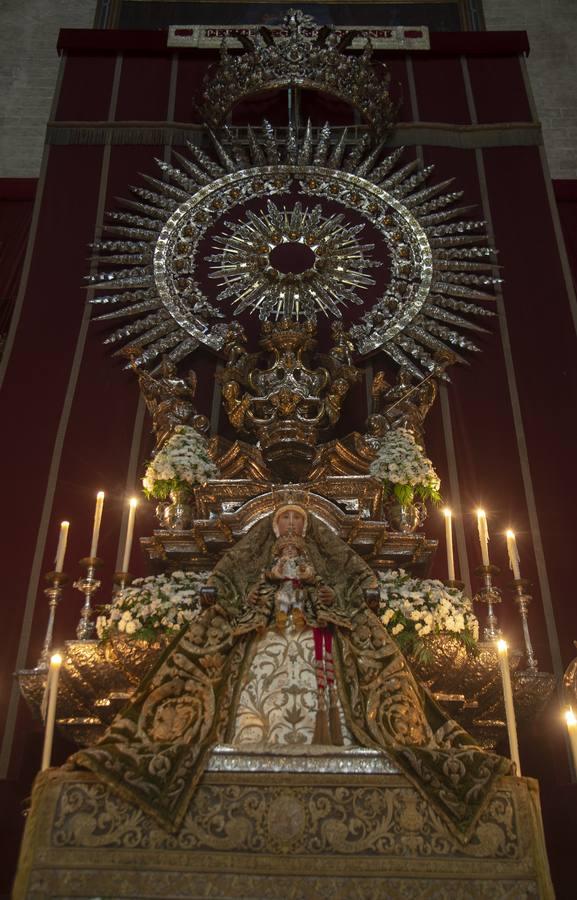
290,522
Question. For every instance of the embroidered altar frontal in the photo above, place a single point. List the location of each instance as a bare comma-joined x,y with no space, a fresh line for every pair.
338,825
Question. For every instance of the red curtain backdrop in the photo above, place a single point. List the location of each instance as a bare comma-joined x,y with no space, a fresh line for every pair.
566,198
69,410
16,203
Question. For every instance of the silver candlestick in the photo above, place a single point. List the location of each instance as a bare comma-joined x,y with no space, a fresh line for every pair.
88,585
54,593
489,595
523,600
121,580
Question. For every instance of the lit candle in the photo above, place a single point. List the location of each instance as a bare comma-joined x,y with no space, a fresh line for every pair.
62,540
129,533
513,552
483,535
52,690
571,721
509,706
449,537
97,521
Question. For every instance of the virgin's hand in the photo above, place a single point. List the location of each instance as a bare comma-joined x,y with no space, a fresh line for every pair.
326,595
253,597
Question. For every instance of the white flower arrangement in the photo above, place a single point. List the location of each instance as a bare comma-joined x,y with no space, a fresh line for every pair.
411,608
152,607
182,461
403,467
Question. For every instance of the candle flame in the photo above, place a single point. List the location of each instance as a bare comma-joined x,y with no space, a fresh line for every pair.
510,534
100,495
65,524
447,512
133,502
481,514
570,717
56,659
502,646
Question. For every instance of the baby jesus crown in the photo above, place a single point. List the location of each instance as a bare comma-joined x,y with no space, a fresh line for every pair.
289,540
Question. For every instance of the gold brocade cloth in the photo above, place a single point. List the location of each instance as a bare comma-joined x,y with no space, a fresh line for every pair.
156,750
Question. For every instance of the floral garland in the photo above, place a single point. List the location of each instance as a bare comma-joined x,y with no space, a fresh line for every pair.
183,460
412,608
403,467
152,606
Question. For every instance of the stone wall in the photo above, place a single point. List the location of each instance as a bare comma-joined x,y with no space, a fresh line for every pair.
28,72
552,65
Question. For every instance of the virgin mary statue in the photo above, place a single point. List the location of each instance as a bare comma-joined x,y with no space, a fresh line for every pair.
288,653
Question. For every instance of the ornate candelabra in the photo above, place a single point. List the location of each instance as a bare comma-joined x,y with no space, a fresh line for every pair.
522,599
57,581
121,580
88,585
490,595
570,683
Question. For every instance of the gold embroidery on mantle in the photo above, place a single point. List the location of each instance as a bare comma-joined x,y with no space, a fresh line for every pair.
194,692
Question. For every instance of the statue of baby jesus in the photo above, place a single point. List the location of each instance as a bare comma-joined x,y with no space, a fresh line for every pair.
293,573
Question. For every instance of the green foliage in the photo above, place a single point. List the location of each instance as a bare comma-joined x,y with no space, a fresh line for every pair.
406,493
417,648
162,488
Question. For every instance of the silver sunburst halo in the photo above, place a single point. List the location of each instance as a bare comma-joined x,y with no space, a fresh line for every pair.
322,270
440,263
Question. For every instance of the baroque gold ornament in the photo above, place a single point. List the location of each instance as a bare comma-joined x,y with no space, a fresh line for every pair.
289,402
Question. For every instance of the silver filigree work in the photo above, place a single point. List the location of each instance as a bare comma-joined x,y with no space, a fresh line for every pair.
309,760
439,264
332,259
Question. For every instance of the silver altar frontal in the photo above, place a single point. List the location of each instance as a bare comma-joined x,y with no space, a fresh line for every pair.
281,824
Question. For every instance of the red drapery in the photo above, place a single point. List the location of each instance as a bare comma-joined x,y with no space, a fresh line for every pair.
16,202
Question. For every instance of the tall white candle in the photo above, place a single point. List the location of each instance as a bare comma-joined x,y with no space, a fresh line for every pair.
483,536
571,721
513,552
129,534
509,705
449,538
53,674
97,521
62,541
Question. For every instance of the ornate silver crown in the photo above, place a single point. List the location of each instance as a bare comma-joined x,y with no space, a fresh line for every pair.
305,55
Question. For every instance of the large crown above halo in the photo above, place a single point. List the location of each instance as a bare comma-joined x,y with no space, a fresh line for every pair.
308,56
